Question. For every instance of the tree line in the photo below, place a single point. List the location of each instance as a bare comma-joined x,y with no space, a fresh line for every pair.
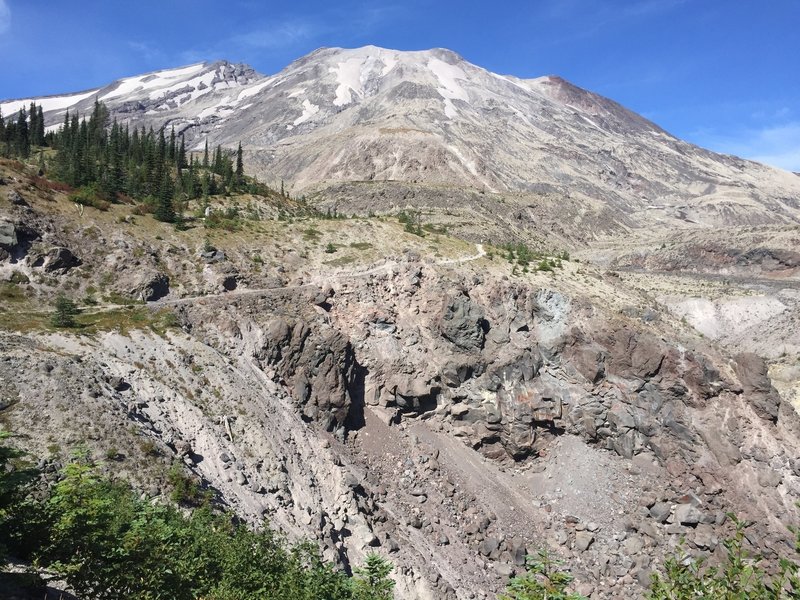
114,163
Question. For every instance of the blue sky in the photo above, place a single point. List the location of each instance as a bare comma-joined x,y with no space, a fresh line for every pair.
720,73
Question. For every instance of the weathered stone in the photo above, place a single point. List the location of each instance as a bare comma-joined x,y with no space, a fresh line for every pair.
660,511
489,545
768,478
60,259
150,287
686,514
463,323
8,235
583,539
756,386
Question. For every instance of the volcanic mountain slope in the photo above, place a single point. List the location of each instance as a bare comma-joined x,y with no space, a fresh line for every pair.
430,121
415,396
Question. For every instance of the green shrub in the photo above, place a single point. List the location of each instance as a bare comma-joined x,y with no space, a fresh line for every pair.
64,314
740,577
545,580
372,581
88,196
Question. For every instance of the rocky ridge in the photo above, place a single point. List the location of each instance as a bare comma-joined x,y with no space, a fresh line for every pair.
412,123
441,410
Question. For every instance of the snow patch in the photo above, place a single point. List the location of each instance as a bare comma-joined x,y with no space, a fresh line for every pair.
153,81
47,104
450,89
348,76
309,110
297,92
252,91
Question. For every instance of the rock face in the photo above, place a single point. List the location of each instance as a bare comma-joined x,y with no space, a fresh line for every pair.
151,287
463,324
756,385
318,367
431,118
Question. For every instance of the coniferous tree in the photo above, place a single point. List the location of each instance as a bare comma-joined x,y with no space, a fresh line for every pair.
205,155
23,141
33,126
182,155
165,210
40,135
239,163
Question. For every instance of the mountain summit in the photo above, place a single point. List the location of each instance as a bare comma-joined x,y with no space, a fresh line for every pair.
338,116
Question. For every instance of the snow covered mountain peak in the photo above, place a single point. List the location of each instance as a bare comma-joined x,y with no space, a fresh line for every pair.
430,117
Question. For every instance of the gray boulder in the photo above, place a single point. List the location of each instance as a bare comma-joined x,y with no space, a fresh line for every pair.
464,324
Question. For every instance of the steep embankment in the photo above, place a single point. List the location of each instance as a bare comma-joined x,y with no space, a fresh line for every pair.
402,393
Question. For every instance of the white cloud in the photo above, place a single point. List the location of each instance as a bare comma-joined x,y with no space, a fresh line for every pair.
5,17
777,145
278,35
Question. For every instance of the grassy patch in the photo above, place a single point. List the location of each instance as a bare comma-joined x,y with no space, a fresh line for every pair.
311,234
340,261
361,245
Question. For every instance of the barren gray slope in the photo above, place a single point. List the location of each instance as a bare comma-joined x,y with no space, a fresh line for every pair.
430,117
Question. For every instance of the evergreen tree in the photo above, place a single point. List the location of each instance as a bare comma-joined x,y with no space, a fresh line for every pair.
2,134
372,581
64,314
205,155
40,135
239,162
217,166
171,148
165,210
33,125
23,141
181,161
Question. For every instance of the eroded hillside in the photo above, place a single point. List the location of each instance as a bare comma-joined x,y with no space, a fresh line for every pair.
369,388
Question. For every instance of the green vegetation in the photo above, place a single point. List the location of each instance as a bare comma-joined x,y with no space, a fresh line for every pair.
108,543
520,255
99,163
372,581
739,577
412,221
64,314
544,581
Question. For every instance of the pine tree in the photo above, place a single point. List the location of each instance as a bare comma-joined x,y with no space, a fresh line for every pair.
33,126
40,135
205,155
239,162
372,581
23,140
165,210
182,155
64,314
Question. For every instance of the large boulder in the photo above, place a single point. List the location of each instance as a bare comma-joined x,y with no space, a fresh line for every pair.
756,385
463,322
60,259
8,235
318,367
151,286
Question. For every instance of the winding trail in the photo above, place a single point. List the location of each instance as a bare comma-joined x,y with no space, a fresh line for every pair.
237,293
